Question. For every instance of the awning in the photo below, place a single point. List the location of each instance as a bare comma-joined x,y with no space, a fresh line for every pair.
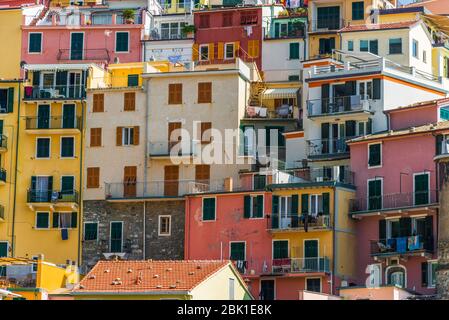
280,93
440,22
57,67
6,293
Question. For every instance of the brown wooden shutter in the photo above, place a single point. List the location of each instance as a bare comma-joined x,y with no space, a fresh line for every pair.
206,137
95,137
175,93
202,173
119,136
98,102
237,48
171,176
93,177
129,181
211,51
136,135
204,92
195,52
130,101
220,52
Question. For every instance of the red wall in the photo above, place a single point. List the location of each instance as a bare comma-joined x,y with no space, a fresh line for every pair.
413,117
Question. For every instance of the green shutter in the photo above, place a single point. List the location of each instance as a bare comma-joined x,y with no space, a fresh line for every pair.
374,154
259,213
133,80
208,209
35,45
3,249
326,203
376,89
382,229
275,212
42,220
280,249
121,44
374,194
438,144
90,231
421,189
350,128
304,203
36,78
237,251
116,236
74,221
424,274
67,147
276,30
1,127
55,219
10,107
294,51
246,207
295,200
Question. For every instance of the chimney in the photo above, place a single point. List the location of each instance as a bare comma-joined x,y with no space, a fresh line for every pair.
228,184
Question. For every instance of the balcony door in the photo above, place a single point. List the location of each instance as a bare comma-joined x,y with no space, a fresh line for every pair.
171,183
174,135
375,194
421,189
266,289
116,236
67,187
285,212
41,188
129,182
311,260
76,45
75,85
328,18
43,116
68,116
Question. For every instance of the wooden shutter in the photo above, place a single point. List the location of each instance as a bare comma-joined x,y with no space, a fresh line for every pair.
259,213
55,220
326,203
93,177
175,93
136,135
202,173
118,136
237,48
10,107
171,176
74,220
95,137
98,102
405,227
305,204
206,135
247,207
130,101
211,51
350,128
204,92
382,229
220,52
172,126
129,179
275,212
195,52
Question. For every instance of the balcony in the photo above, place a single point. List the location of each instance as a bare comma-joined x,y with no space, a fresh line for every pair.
301,265
52,196
328,148
94,55
294,222
341,174
55,125
298,32
2,176
442,151
3,143
324,25
412,245
283,112
57,92
394,202
169,149
339,106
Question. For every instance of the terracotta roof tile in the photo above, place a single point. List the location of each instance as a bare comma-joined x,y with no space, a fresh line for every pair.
150,275
383,26
435,102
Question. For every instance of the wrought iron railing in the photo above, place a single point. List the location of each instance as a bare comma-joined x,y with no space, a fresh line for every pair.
54,92
319,147
85,54
33,123
401,245
337,105
301,265
287,221
44,196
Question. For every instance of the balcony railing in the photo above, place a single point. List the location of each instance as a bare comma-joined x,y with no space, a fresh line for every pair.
3,141
296,33
301,265
394,201
338,105
288,221
401,245
329,147
343,175
2,175
174,148
327,24
86,54
55,92
283,112
36,123
48,196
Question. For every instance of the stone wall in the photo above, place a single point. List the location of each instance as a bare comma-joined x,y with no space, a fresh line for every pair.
132,213
442,270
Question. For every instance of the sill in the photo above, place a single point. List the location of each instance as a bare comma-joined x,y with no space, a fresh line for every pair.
208,220
375,167
41,229
164,235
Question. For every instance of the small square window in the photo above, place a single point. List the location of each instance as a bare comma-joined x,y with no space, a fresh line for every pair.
350,45
164,225
133,80
395,46
364,45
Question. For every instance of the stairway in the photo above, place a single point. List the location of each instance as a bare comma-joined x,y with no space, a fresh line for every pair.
255,98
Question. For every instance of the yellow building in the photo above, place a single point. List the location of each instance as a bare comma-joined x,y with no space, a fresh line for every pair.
311,227
157,280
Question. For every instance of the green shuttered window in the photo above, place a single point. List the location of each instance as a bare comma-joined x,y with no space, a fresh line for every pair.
357,10
208,209
35,44
280,249
90,231
121,41
42,220
43,148
133,80
67,147
375,155
294,51
237,251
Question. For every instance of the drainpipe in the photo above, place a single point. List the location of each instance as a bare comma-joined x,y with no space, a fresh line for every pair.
13,246
80,208
143,236
334,247
145,173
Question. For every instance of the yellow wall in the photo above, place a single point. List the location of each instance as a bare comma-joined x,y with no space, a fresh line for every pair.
51,277
314,43
398,17
11,37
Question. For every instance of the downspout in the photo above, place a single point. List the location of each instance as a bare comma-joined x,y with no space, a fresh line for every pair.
13,247
145,173
144,231
187,229
80,210
334,247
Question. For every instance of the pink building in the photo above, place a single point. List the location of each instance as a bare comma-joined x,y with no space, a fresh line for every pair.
397,197
84,34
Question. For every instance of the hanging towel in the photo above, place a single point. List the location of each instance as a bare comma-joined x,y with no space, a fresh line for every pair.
413,243
401,244
64,234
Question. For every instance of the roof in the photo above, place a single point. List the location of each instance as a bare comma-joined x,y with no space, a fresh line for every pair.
17,3
431,127
150,276
435,6
381,26
435,102
58,66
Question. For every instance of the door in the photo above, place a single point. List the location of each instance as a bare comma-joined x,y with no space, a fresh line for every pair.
76,45
171,183
75,86
174,134
67,187
248,143
43,117
41,189
311,260
116,236
374,194
285,212
129,182
421,195
266,289
68,117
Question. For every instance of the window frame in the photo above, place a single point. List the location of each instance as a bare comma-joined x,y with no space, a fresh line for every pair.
87,177
130,136
244,251
290,51
7,246
226,50
84,230
202,209
314,278
430,278
73,147
201,46
41,42
272,248
37,147
415,49
428,185
381,191
110,235
100,144
389,46
165,234
357,17
48,221
350,47
380,151
115,43
251,212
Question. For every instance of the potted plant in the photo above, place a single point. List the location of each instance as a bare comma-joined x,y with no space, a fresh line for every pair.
128,16
188,30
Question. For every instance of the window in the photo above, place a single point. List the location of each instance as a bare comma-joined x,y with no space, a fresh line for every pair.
431,265
67,147
3,249
67,187
328,18
129,101
128,136
364,127
316,204
280,249
175,93
229,50
424,56
95,137
364,45
204,21
358,10
374,155
415,49
204,52
90,231
98,102
121,41
42,220
369,46
350,45
43,148
206,132
326,45
253,206
253,48
293,77
396,276
375,194
35,43
231,289
6,100
247,18
133,80
164,225
208,209
294,51
202,173
366,89
421,188
313,284
395,46
34,268
227,19
93,177
259,182
204,92
65,220
116,236
237,251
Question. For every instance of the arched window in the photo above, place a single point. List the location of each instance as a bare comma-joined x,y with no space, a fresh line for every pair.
396,275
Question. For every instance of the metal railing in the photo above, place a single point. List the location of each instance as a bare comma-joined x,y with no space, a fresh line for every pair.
282,112
287,221
444,148
401,245
55,92
85,54
2,175
337,105
319,147
3,141
294,33
394,201
327,24
44,196
301,265
40,123
174,148
343,175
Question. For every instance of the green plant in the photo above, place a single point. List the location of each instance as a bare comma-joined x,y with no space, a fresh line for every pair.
128,14
188,29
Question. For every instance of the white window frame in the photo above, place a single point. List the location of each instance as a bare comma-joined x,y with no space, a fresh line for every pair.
159,233
48,221
304,246
388,226
402,46
84,229
251,214
244,259
429,273
202,209
381,155
428,184
200,56
60,147
381,191
312,278
29,41
365,86
272,248
225,51
115,42
317,202
49,148
369,268
129,136
110,238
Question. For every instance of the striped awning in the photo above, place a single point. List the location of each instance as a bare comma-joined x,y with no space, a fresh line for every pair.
6,261
280,93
